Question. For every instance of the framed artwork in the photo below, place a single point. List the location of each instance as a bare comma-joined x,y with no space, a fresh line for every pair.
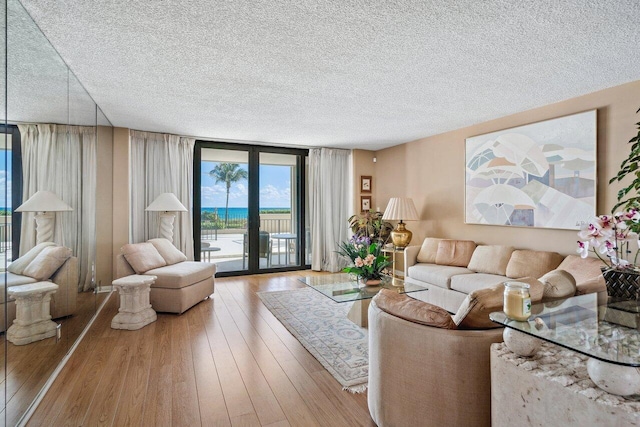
365,203
537,175
365,184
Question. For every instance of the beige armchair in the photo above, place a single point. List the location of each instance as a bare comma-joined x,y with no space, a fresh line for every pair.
426,376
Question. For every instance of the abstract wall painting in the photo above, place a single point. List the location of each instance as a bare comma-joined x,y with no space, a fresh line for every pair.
538,175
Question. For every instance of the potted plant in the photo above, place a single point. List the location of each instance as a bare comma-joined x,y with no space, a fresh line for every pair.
608,236
366,258
370,224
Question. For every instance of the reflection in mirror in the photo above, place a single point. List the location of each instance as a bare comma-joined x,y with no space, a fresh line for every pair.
54,143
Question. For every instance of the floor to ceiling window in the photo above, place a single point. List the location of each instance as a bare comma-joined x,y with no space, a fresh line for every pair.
250,205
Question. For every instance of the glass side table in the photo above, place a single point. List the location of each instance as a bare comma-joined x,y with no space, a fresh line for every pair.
600,331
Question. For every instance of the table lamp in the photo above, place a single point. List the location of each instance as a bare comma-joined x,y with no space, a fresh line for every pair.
402,209
47,204
167,203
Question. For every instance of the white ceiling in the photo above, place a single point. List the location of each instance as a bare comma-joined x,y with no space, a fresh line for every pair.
340,73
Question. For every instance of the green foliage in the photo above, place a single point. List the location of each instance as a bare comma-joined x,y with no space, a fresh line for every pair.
228,173
629,196
370,224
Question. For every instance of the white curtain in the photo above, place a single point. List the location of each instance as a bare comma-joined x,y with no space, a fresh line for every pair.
161,163
329,205
62,159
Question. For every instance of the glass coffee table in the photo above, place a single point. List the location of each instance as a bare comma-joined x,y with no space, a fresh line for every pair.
607,332
342,287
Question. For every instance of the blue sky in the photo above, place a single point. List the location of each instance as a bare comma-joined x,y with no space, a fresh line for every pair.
275,188
5,177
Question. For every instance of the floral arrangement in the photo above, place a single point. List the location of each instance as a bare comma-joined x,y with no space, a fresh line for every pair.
608,236
366,257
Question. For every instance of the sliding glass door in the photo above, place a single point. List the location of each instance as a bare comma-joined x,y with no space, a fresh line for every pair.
249,207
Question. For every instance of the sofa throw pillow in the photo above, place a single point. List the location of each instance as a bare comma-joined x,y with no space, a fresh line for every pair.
456,253
47,262
18,266
558,284
142,257
525,263
168,252
476,307
429,250
491,259
412,310
586,271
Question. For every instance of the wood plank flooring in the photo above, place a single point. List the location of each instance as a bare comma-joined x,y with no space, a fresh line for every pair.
226,362
29,366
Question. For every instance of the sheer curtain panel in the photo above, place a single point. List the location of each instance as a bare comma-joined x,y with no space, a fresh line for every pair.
161,163
329,205
72,177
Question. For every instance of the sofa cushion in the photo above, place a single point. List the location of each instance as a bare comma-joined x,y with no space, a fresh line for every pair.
412,310
455,252
475,309
586,271
168,252
438,275
472,282
491,259
558,284
18,266
182,274
142,257
525,263
47,262
429,250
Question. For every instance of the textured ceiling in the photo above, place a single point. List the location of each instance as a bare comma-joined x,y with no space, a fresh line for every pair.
341,73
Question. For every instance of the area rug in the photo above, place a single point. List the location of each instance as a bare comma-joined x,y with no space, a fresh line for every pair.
322,327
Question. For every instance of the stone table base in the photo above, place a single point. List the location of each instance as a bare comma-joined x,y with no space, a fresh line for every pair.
135,310
33,313
552,388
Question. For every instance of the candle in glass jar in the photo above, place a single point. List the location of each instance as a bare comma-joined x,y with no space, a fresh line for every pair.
517,301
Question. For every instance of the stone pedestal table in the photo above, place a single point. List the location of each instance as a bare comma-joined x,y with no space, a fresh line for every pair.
135,310
552,388
33,313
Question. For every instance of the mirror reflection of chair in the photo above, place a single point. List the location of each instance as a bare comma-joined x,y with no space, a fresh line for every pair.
264,248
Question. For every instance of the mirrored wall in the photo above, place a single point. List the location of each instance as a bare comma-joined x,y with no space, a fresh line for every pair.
49,166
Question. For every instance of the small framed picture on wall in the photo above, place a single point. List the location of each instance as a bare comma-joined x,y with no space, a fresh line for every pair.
365,184
365,203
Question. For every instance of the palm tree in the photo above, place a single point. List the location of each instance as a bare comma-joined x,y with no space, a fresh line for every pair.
228,173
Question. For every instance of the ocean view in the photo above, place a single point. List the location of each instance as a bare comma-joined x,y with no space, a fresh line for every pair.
243,212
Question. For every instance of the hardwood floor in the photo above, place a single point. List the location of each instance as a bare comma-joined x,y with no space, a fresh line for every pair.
226,362
29,366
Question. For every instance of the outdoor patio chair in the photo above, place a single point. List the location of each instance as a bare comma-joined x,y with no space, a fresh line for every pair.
264,248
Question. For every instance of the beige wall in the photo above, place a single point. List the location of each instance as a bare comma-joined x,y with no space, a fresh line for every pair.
362,165
431,171
104,206
120,191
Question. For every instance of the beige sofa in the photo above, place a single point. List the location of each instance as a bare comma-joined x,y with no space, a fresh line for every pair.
428,367
451,269
63,301
427,376
180,284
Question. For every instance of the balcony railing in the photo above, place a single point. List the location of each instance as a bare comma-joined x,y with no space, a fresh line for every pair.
271,223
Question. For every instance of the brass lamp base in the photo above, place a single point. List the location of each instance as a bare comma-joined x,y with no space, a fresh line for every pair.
401,237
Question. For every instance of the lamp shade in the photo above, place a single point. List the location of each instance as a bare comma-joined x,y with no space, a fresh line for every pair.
401,209
44,201
167,202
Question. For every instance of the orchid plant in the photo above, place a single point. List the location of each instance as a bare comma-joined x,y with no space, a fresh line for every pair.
608,236
366,257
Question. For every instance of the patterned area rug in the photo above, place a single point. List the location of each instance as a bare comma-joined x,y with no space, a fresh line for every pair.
322,327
